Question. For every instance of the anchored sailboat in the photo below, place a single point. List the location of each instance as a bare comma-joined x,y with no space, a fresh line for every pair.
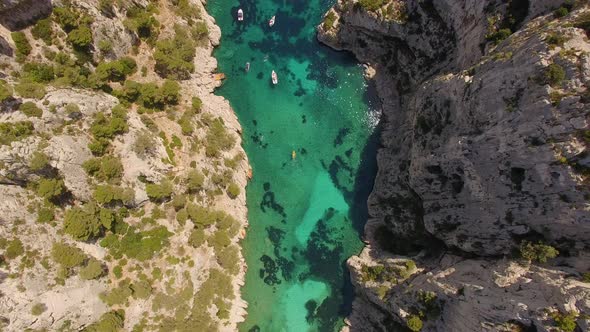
240,14
271,22
274,77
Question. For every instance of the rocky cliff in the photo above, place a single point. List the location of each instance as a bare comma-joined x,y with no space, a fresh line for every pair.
483,173
121,174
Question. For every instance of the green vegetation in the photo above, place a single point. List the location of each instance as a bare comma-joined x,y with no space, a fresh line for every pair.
329,21
80,38
43,30
537,252
555,39
218,139
583,22
141,289
45,214
233,190
371,5
14,131
197,237
554,75
134,244
143,23
107,127
497,36
565,322
14,249
30,109
23,48
38,309
229,259
195,181
561,12
178,202
92,270
66,18
106,7
30,90
145,144
107,168
67,256
116,71
186,10
118,295
88,221
51,189
159,192
108,322
414,323
196,104
38,72
107,194
174,57
149,95
5,91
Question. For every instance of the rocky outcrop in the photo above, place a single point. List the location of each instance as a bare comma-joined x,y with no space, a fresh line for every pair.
482,150
17,14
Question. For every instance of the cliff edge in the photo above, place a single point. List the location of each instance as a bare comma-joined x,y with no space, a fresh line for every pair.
480,215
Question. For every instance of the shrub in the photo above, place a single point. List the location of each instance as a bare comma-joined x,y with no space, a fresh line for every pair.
23,48
142,22
45,214
159,192
67,256
233,190
141,289
197,238
174,57
104,169
116,70
371,5
106,7
92,270
30,109
554,74
5,91
414,323
195,181
86,222
561,12
30,90
14,131
229,259
38,72
105,46
43,30
218,139
219,240
51,189
583,22
107,194
556,39
196,104
66,18
178,202
329,21
565,322
117,295
170,92
38,309
537,252
14,249
99,147
139,245
110,321
200,32
108,126
498,36
80,38
145,144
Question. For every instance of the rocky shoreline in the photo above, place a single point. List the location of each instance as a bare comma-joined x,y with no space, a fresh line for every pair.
481,161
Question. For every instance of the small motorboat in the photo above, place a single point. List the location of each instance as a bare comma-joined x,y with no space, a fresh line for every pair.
293,154
240,15
247,67
274,77
272,21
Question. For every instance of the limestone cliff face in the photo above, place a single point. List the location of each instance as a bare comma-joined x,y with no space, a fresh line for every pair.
482,150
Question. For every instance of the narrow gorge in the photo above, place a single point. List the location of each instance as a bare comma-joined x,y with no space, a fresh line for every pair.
479,218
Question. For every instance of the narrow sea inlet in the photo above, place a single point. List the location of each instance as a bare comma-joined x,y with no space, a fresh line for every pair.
311,140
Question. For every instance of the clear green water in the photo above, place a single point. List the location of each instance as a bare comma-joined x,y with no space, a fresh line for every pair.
306,214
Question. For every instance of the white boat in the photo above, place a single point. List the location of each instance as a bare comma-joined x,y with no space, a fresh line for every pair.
271,22
274,77
247,66
240,14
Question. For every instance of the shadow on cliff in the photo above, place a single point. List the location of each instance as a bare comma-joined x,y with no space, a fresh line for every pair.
24,13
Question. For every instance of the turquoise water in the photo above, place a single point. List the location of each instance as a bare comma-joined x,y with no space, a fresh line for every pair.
306,213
